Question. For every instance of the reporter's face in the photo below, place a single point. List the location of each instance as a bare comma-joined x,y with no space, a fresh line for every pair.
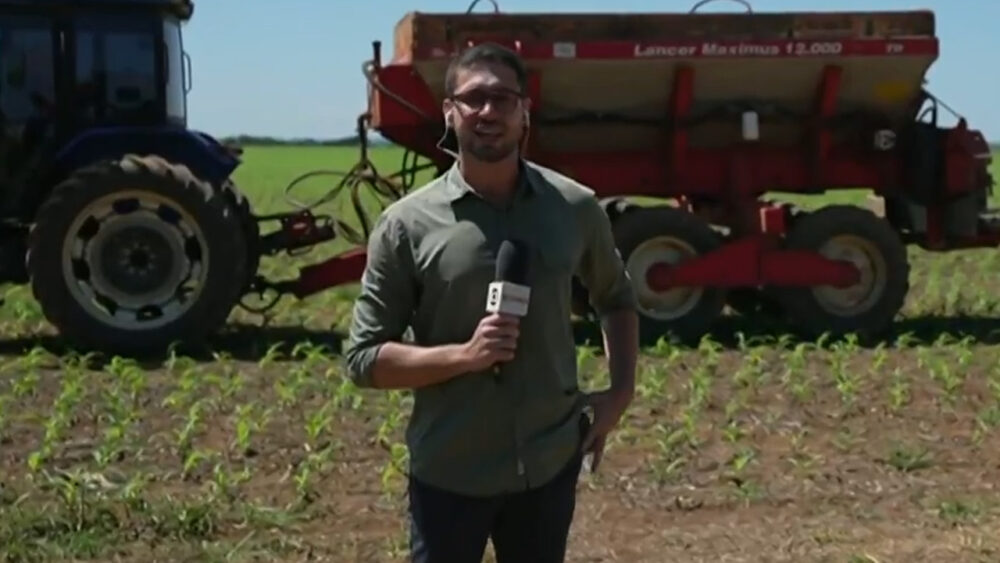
487,111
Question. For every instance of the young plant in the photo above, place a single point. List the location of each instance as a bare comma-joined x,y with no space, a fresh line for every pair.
795,376
847,381
899,390
250,419
61,415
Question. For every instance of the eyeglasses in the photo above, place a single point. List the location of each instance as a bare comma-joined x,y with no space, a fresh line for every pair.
502,100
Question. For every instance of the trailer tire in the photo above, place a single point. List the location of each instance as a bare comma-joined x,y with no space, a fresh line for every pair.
189,231
248,224
753,301
615,207
869,242
640,231
922,158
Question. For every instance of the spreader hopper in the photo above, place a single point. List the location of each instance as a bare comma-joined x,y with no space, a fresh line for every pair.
605,81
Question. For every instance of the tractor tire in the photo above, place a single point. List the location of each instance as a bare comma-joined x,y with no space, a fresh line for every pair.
134,255
866,309
645,236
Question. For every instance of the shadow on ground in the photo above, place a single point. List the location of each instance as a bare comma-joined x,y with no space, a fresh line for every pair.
252,343
730,331
240,342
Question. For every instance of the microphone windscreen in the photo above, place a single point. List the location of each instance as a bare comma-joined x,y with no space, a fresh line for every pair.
512,262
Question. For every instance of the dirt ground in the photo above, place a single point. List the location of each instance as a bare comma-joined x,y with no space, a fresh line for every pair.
844,454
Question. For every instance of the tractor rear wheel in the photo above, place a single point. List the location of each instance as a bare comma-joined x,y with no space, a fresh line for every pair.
133,255
856,235
646,236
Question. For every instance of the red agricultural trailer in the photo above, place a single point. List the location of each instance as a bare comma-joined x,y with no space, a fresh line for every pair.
710,112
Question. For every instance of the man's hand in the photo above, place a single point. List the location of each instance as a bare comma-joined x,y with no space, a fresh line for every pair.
608,407
494,341
621,337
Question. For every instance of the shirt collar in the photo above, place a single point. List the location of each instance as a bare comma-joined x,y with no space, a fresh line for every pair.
457,187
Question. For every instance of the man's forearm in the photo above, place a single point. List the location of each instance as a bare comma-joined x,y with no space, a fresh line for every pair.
407,366
621,347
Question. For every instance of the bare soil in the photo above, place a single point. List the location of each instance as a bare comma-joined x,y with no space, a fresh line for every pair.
834,460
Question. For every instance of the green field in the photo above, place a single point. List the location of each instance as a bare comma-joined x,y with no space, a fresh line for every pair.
753,446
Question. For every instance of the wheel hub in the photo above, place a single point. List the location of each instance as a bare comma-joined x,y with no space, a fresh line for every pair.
873,272
661,305
137,260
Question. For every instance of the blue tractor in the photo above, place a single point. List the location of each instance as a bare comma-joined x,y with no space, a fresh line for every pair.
124,222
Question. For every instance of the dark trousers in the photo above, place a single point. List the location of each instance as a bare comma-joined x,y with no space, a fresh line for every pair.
526,527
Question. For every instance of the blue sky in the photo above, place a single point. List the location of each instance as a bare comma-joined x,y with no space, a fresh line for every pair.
292,68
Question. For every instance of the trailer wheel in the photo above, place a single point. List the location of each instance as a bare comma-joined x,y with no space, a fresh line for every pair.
752,301
615,207
867,308
131,256
248,224
646,236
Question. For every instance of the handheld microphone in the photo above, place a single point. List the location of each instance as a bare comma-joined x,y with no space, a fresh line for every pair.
509,293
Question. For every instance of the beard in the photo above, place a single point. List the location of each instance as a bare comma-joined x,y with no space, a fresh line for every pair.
487,151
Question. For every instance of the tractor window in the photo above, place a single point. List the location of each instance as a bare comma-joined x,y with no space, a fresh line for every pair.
176,101
116,70
27,90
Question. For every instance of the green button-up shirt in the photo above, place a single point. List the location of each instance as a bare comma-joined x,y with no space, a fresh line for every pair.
430,258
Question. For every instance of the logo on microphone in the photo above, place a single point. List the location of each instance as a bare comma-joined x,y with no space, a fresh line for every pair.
493,298
508,298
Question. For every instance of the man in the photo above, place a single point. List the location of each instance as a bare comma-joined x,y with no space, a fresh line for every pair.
492,455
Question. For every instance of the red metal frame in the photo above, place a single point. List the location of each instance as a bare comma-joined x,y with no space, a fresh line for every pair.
343,268
736,176
753,260
685,49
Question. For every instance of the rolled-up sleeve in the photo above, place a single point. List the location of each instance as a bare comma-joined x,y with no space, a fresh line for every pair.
602,270
384,308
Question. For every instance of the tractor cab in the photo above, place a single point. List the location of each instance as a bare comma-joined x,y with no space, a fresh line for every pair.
68,66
